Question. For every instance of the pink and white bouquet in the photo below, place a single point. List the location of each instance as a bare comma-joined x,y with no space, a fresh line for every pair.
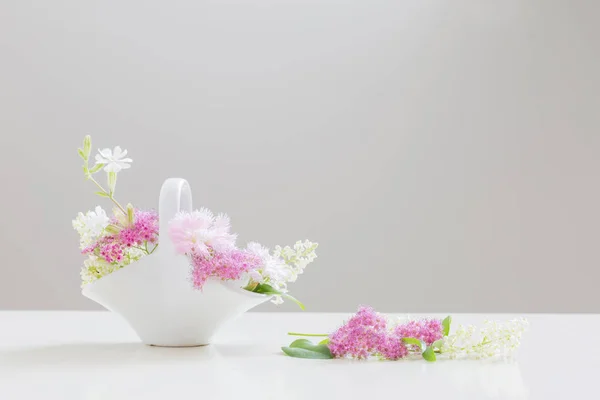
369,334
113,242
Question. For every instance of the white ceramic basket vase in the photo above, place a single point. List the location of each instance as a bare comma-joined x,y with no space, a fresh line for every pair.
155,295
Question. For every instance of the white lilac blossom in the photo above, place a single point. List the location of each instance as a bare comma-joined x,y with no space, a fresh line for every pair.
90,226
282,266
113,160
297,258
492,339
95,267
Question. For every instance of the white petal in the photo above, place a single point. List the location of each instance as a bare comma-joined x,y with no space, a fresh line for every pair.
126,160
100,159
106,153
122,165
117,152
112,167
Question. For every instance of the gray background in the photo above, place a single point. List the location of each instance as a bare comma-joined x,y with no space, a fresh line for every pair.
443,153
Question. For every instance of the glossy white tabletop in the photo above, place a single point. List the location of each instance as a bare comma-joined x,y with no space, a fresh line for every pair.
94,355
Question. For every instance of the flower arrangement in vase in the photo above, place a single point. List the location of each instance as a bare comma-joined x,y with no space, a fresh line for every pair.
161,270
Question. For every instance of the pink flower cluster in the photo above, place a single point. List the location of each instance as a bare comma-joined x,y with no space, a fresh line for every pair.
224,265
144,229
427,330
199,232
366,334
207,240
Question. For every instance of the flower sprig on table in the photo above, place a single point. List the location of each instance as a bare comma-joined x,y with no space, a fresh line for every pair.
207,241
369,334
112,243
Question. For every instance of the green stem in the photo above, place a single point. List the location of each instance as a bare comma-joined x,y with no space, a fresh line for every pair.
307,334
478,345
110,196
295,300
141,248
155,247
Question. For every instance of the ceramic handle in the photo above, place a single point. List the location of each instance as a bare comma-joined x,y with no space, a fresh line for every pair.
175,196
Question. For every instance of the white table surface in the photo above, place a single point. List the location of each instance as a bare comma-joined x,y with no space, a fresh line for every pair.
95,355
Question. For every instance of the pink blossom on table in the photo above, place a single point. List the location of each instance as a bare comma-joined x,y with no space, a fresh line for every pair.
199,231
427,330
363,335
392,348
225,265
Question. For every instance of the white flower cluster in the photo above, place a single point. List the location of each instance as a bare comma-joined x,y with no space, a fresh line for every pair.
95,267
493,339
297,258
283,265
90,226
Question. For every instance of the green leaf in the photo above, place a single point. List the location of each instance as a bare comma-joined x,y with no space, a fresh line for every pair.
102,194
302,343
438,344
308,345
299,352
82,154
429,354
304,348
96,168
415,341
265,288
446,325
324,341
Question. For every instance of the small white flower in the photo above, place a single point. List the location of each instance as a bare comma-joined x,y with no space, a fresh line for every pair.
96,267
113,159
91,225
274,269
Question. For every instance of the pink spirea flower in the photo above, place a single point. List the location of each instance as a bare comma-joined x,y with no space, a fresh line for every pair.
111,247
393,348
427,330
225,265
199,231
366,334
111,251
143,229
